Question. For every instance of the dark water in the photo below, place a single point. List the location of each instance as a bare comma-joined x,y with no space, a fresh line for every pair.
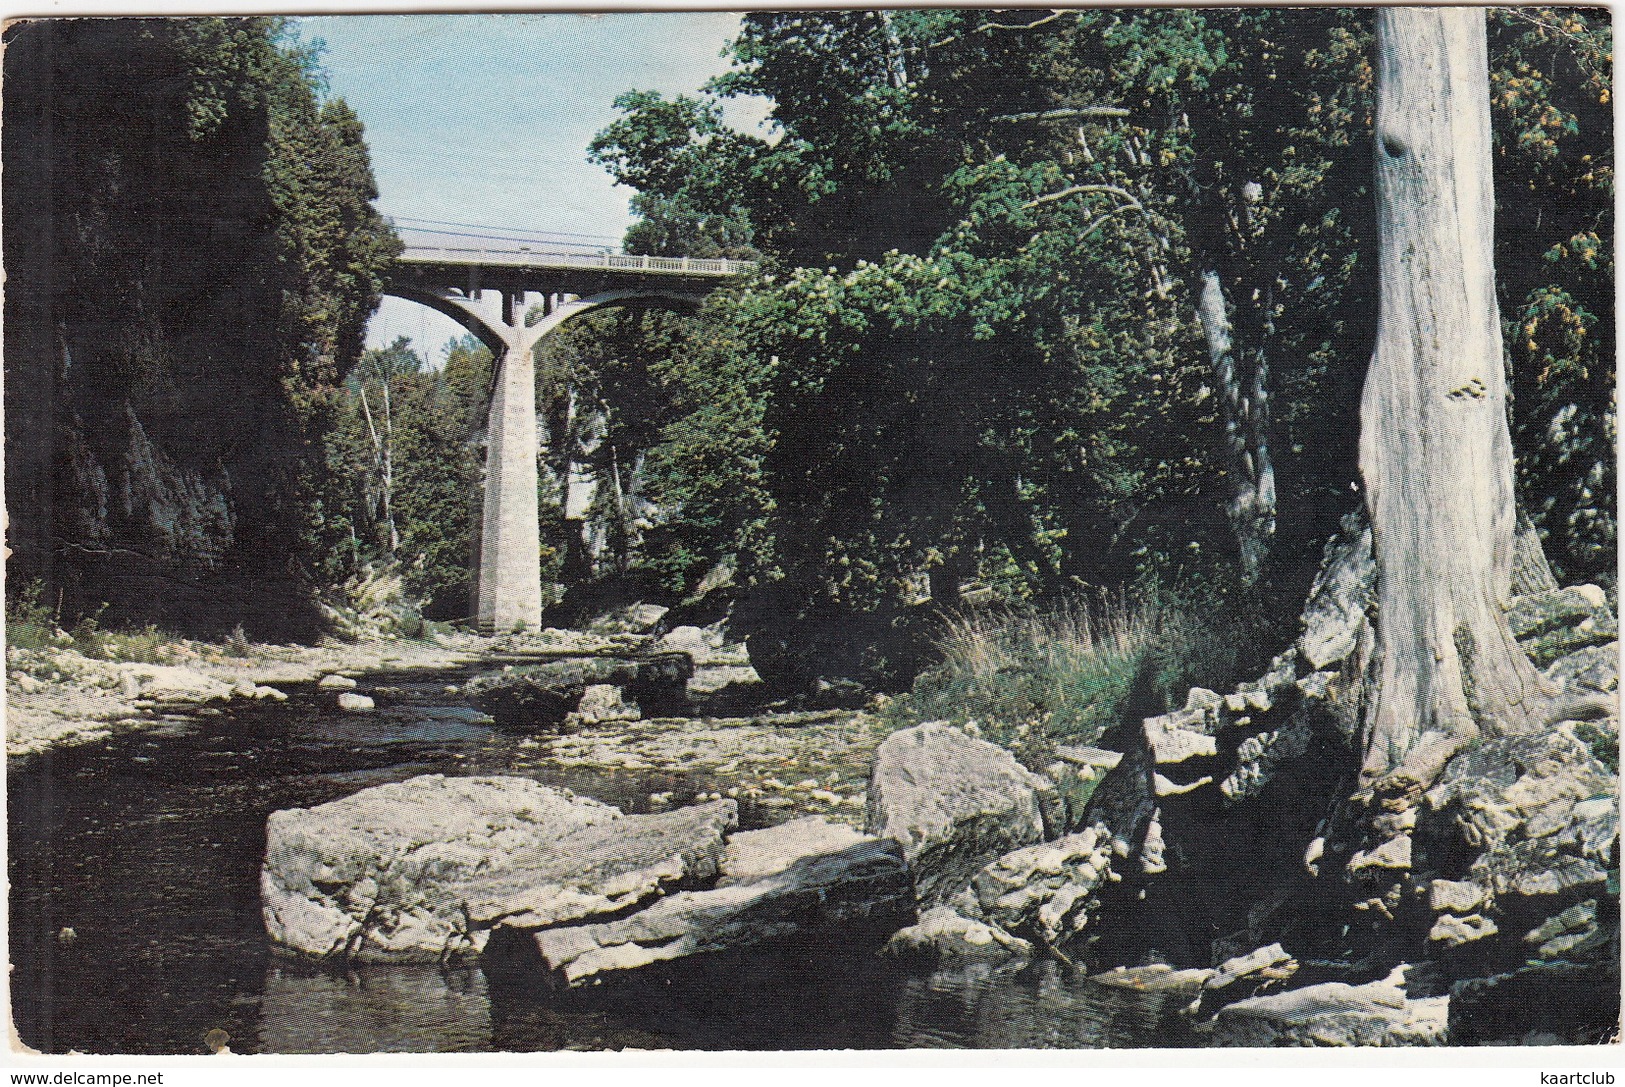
148,848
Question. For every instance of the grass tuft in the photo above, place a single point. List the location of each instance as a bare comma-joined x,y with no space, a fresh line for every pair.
1030,678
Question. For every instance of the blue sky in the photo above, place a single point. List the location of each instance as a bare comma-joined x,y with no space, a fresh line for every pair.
485,119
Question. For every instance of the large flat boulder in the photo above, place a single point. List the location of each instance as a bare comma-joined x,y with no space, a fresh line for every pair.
838,895
751,854
423,871
953,802
375,877
601,869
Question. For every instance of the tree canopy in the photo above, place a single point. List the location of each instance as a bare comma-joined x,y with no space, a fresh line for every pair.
979,351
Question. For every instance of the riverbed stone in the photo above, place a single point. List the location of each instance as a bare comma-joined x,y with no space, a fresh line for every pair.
1046,888
853,894
350,702
170,683
538,699
1155,978
953,803
542,696
944,932
376,876
1378,1013
335,682
603,702
602,868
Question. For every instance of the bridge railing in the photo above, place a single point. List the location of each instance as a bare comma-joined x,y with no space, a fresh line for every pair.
620,262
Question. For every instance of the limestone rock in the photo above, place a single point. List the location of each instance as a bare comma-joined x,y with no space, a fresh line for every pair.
1156,978
1451,931
1394,854
1567,933
1593,668
601,868
527,698
1094,758
753,853
1164,786
1045,888
1378,1013
543,695
953,802
335,682
1554,624
1074,788
1258,756
1253,963
601,702
703,645
351,702
948,934
832,895
632,619
1171,743
1455,896
1342,592
374,876
170,683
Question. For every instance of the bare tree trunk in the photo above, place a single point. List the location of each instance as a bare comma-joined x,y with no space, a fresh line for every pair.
1435,452
389,473
380,456
1243,400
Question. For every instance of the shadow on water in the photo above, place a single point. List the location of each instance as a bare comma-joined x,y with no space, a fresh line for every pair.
135,915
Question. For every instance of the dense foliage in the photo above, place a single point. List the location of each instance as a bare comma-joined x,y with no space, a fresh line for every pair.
977,354
403,472
192,256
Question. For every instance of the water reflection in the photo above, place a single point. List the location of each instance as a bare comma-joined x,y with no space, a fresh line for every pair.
1042,1005
393,1009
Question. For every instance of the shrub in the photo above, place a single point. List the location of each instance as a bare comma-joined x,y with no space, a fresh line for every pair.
28,619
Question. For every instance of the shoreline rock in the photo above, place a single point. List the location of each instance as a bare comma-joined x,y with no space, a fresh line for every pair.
953,803
860,890
376,876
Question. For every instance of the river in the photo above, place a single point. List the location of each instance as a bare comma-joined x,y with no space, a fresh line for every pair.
135,913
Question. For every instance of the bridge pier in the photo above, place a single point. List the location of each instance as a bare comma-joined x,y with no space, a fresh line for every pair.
509,595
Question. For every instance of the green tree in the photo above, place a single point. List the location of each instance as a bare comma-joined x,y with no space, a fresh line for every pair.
1550,94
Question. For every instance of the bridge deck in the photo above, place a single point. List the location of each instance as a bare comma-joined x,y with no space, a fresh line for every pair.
540,260
443,259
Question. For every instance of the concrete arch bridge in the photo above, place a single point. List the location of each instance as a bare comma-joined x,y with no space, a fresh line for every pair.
489,285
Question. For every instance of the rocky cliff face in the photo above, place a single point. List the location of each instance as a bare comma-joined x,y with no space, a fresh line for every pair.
178,207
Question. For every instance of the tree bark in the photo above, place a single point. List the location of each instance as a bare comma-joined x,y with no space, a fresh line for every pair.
1435,451
1244,403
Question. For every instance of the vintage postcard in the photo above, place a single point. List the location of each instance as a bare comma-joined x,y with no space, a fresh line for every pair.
855,529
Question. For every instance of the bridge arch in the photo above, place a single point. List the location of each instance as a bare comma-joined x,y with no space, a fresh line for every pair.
496,333
485,289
